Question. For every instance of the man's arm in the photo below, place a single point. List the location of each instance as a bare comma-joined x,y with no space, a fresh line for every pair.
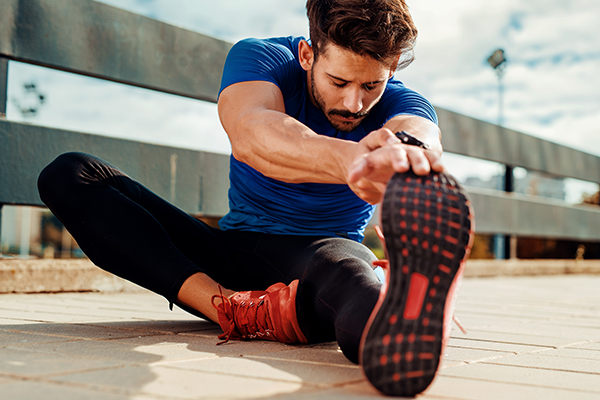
280,147
277,145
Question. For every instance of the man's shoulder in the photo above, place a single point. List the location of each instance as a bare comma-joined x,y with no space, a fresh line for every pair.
286,46
399,99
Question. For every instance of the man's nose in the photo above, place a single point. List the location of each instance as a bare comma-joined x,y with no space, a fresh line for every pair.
353,100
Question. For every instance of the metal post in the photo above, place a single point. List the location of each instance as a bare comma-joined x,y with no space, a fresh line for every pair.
1,230
3,86
500,72
3,97
503,245
509,240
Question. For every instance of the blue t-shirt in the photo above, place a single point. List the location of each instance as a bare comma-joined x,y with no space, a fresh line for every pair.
262,204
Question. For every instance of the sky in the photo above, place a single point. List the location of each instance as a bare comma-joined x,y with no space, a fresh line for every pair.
552,87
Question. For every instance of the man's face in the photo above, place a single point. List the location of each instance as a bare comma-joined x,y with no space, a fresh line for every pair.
345,86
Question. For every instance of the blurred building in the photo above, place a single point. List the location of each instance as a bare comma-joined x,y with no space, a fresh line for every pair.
530,183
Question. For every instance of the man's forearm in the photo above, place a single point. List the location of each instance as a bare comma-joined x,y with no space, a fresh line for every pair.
282,148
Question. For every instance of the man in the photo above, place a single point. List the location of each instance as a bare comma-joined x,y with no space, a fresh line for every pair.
313,133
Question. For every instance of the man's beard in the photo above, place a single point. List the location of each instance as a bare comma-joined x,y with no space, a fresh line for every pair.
341,126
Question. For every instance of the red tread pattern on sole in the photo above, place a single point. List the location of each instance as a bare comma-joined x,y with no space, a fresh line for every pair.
431,254
416,294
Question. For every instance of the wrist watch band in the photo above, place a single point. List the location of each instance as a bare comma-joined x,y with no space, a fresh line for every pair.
411,140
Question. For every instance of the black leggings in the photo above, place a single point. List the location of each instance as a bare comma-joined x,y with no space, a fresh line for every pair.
129,231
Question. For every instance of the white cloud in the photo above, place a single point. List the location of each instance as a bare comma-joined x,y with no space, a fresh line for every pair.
110,109
551,80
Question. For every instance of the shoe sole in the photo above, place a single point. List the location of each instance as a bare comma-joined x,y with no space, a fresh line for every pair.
427,224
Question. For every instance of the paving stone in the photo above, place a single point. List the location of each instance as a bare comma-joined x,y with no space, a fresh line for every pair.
472,355
26,363
184,384
76,331
130,344
527,376
118,351
518,313
365,391
577,322
446,363
355,391
501,336
5,381
162,327
38,390
253,367
475,321
589,346
22,338
584,354
80,311
330,355
208,344
468,343
547,329
11,321
469,389
551,362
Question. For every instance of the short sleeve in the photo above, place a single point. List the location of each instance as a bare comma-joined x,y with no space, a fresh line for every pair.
270,60
400,100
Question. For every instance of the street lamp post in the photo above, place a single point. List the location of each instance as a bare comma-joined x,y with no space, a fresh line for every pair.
498,61
504,246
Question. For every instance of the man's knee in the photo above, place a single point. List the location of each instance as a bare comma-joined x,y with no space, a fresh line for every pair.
59,173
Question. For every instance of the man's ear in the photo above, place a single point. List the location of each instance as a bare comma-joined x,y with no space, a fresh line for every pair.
394,66
306,55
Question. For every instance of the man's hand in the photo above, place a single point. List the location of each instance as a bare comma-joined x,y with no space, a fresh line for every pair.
384,155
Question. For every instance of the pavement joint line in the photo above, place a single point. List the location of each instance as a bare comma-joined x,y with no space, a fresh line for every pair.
265,378
181,361
88,386
503,342
48,376
518,383
353,366
490,350
71,338
23,345
458,364
545,368
533,335
487,359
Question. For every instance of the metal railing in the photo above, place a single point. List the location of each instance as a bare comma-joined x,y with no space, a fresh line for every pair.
92,39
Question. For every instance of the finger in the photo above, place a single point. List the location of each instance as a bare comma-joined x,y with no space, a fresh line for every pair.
380,138
418,161
400,160
435,161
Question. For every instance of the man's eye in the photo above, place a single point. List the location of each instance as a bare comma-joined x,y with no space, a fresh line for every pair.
369,87
340,85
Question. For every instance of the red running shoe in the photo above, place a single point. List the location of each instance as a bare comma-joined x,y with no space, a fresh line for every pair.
258,314
428,228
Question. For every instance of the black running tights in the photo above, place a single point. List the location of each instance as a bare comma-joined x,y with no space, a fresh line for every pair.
127,230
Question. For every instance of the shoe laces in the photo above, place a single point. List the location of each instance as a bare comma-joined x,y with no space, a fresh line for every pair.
247,318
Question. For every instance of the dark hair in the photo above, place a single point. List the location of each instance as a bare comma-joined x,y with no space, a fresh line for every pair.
380,29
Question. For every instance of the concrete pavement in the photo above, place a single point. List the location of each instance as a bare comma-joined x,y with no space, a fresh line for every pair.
528,338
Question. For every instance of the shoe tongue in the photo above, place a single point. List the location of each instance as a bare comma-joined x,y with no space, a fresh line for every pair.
223,312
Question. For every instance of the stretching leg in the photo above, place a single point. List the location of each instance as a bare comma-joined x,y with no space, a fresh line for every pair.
126,229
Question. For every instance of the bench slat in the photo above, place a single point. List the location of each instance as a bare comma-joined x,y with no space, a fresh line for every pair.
471,137
195,181
521,215
94,39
